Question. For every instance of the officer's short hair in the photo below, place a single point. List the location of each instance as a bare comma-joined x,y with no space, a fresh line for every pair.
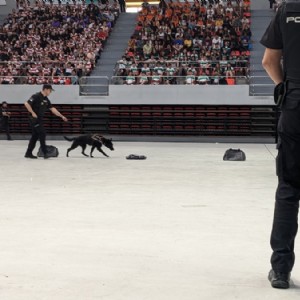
48,87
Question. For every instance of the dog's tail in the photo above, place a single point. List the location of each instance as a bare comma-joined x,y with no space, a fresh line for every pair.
69,139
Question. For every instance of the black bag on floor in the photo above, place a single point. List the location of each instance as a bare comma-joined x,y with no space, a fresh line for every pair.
234,155
134,156
52,151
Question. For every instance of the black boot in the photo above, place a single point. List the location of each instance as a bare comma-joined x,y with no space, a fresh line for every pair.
279,280
30,155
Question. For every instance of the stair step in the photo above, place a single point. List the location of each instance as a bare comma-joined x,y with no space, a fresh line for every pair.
115,45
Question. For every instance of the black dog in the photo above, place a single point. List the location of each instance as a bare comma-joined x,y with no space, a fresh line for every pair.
94,140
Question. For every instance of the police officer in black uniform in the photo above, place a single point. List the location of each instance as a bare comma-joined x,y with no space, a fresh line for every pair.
37,105
5,115
282,40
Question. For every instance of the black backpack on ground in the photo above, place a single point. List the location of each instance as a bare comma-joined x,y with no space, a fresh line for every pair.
52,151
234,155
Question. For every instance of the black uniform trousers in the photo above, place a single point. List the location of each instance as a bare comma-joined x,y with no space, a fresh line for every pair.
122,5
285,222
38,133
5,126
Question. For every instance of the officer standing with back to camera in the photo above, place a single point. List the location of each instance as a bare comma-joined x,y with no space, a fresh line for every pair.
282,39
37,105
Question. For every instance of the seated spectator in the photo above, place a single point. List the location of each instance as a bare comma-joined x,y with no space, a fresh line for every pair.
159,68
130,79
188,40
245,43
228,70
197,43
8,79
171,70
215,76
203,77
68,70
145,69
134,69
178,42
190,78
245,22
147,49
156,78
74,77
143,78
122,63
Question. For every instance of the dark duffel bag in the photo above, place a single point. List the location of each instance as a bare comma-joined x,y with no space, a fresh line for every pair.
52,151
234,155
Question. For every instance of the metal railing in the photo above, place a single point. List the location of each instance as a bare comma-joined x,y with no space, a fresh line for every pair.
242,64
59,80
178,80
48,61
94,86
45,69
260,86
198,61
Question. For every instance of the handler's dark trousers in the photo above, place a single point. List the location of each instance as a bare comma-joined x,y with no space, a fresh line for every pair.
285,226
38,133
285,222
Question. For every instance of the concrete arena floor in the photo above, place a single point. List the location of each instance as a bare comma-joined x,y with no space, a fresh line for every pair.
181,225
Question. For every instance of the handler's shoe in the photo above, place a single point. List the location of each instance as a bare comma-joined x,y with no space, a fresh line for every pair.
30,156
279,280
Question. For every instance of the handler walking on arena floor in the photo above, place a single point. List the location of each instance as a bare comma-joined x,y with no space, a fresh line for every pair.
37,105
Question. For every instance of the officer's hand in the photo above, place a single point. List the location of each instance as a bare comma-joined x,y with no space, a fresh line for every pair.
34,115
64,119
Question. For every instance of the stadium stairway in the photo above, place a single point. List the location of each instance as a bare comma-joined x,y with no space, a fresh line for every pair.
116,45
260,83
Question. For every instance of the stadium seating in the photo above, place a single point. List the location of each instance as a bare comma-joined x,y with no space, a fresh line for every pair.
204,42
55,44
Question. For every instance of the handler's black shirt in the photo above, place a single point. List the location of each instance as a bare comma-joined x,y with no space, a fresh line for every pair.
40,104
272,38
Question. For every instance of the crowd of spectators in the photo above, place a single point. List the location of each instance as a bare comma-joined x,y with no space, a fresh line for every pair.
47,43
198,42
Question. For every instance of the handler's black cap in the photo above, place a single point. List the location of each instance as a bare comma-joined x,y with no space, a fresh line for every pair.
48,87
